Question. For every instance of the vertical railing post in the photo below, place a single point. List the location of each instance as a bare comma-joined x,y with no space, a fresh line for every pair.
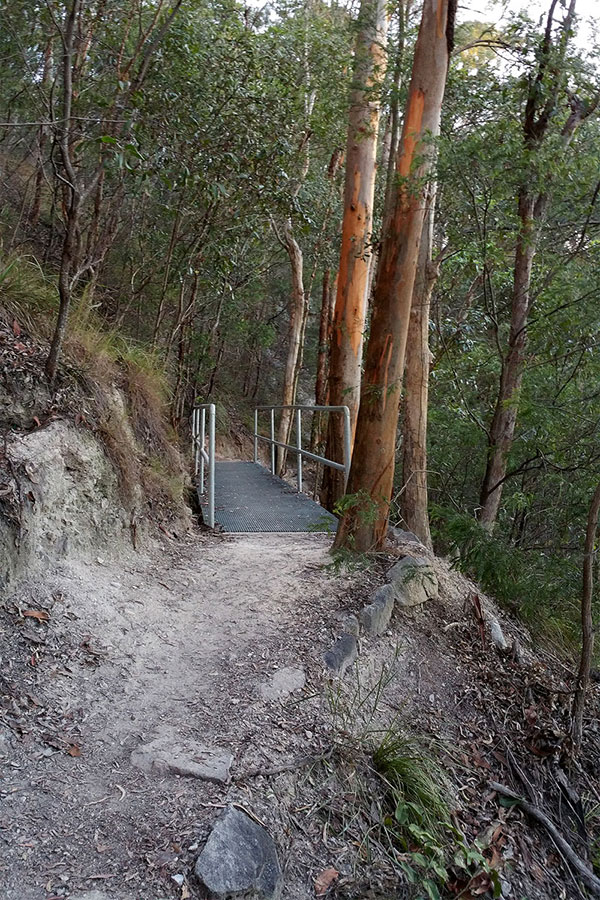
347,446
255,435
202,438
195,414
272,441
299,445
211,465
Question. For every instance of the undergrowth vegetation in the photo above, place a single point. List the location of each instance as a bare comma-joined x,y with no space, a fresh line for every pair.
399,799
123,386
541,588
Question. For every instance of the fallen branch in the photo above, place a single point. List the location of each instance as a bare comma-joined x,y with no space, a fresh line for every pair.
588,878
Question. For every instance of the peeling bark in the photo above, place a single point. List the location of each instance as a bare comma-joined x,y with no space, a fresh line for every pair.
414,499
355,255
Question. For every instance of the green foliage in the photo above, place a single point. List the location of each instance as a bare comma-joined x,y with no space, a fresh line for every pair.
542,588
419,826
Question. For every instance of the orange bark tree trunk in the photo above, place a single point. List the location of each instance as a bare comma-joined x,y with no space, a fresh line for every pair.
364,523
355,255
414,499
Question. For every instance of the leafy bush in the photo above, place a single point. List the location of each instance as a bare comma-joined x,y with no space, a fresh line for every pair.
542,588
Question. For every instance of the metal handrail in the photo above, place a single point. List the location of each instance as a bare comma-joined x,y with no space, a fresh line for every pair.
300,453
202,456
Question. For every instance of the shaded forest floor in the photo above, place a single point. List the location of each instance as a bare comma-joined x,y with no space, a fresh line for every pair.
181,643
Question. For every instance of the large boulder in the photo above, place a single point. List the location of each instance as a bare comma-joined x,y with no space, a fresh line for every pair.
239,860
414,581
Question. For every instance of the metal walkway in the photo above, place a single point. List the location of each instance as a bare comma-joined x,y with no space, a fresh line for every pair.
244,496
249,499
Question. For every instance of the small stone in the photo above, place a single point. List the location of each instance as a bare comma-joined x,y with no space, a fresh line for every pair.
497,635
178,879
193,847
170,754
283,683
375,617
239,860
342,654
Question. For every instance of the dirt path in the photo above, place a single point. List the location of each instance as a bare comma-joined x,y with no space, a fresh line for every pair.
173,644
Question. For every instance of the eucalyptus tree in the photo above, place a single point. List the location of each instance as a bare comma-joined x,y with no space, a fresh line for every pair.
355,254
552,113
364,523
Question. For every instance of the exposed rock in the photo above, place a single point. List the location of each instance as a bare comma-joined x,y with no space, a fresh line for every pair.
64,502
414,581
239,860
342,654
170,754
404,537
376,616
283,683
350,625
497,635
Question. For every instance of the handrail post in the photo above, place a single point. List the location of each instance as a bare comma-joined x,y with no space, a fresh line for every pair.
256,435
211,465
202,440
299,445
195,416
347,446
272,441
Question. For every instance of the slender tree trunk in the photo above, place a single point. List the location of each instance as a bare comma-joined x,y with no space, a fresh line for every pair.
294,341
541,106
355,255
321,385
163,295
364,524
414,499
73,193
394,117
587,625
502,429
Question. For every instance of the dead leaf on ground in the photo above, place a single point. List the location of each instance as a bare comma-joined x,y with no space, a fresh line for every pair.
16,328
324,880
74,750
40,614
185,892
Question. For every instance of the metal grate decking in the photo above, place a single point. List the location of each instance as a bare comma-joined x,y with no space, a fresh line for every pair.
248,498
